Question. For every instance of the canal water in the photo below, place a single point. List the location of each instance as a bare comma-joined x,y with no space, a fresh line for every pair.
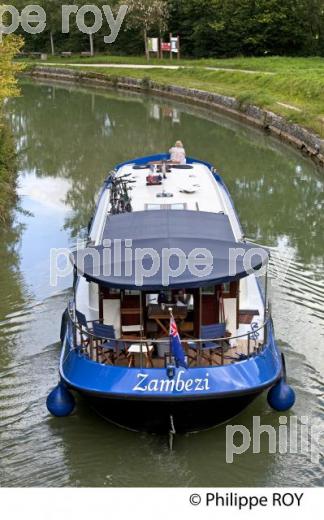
68,139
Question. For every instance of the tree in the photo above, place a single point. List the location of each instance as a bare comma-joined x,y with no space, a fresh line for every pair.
53,20
145,15
9,47
208,28
53,29
223,28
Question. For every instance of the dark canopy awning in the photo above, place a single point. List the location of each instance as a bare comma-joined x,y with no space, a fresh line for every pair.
159,248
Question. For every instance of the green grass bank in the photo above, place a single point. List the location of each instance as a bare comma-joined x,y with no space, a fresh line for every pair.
290,87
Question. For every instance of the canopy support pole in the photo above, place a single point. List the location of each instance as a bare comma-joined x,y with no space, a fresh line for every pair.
265,296
141,327
200,323
75,279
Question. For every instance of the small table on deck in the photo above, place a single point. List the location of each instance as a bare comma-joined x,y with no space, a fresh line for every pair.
132,330
137,349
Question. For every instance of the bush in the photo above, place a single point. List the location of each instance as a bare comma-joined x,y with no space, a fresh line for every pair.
9,47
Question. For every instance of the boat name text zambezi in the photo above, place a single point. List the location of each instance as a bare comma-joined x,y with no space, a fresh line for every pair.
171,385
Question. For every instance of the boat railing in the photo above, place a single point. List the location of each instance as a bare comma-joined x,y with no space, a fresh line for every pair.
91,344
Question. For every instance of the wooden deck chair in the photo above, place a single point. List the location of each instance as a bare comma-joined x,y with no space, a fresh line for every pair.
107,344
208,347
84,330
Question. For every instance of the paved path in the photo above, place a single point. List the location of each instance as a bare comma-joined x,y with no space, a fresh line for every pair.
291,107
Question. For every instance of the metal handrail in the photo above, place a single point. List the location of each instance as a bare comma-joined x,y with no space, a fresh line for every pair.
90,334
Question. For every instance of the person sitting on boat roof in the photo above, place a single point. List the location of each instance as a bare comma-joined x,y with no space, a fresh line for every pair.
178,153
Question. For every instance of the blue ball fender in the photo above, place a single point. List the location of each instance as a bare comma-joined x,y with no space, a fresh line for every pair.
281,397
60,401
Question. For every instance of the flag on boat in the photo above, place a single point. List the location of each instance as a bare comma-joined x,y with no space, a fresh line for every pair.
176,347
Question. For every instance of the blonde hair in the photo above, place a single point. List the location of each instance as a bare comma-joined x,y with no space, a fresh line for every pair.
179,144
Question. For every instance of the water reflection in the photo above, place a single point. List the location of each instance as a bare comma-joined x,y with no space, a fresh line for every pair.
87,134
13,294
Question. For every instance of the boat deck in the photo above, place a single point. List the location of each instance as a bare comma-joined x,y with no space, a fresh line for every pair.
231,352
193,189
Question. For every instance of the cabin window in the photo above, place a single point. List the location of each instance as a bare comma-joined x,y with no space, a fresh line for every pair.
176,206
226,288
210,289
191,303
153,297
152,206
114,291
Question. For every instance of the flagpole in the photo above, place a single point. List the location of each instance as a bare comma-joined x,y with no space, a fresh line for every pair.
176,348
170,341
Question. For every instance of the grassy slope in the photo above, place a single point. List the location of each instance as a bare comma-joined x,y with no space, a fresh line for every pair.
266,64
293,81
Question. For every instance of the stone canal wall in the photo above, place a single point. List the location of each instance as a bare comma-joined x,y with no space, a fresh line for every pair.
307,142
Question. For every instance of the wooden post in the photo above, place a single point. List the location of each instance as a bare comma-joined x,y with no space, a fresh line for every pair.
52,44
178,47
170,36
91,44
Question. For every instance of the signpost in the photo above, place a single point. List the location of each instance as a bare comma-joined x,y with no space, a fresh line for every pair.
172,47
153,46
175,45
158,46
165,47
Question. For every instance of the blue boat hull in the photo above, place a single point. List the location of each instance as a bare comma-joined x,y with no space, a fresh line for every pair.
163,416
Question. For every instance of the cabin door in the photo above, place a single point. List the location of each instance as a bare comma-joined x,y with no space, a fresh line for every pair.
228,310
210,306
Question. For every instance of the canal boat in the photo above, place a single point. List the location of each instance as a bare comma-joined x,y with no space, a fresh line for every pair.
169,328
